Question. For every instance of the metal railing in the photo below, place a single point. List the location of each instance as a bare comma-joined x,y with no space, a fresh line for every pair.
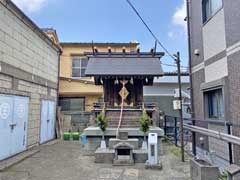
196,129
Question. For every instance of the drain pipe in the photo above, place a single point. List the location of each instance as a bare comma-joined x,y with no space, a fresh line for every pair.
190,75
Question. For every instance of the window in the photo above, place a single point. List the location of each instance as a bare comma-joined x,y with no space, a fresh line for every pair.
79,66
72,104
214,104
209,8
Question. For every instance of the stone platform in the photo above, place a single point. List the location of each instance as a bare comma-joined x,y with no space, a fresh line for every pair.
94,136
121,152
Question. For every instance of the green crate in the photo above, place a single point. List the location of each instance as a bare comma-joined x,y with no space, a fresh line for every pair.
66,136
75,136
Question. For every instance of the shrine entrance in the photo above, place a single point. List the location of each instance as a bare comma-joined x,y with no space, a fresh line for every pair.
130,91
123,76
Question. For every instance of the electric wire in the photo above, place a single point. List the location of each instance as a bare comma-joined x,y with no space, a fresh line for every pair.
149,29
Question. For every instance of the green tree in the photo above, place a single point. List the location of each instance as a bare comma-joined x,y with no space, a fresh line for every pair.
102,122
144,123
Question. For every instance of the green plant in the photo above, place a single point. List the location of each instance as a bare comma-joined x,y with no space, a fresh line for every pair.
102,122
144,123
223,176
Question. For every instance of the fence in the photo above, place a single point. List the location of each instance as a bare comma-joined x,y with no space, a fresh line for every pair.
75,120
205,138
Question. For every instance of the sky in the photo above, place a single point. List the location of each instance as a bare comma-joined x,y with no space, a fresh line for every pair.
114,21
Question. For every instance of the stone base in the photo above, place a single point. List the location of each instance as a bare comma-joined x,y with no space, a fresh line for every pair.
202,170
153,166
140,155
94,136
132,132
123,162
104,156
133,142
107,156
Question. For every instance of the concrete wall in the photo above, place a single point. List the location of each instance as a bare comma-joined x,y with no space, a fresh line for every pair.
28,64
21,47
165,104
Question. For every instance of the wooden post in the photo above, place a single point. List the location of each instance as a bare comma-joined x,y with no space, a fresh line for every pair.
177,59
175,131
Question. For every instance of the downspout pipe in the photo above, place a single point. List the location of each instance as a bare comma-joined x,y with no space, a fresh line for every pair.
188,2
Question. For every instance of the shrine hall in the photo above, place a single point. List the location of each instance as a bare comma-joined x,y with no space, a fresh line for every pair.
123,76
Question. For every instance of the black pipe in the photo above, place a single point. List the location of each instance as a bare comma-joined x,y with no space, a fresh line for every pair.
230,144
190,75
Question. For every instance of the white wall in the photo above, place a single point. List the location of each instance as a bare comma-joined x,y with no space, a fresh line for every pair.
216,70
214,39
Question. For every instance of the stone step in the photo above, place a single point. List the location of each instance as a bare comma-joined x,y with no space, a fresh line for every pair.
123,162
129,118
123,125
123,121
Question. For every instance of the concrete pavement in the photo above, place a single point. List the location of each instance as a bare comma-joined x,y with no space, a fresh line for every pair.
68,161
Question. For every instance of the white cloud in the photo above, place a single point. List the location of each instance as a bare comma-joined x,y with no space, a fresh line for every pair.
170,34
179,16
30,5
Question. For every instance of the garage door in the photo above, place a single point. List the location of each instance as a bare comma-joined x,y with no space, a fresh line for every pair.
47,121
13,124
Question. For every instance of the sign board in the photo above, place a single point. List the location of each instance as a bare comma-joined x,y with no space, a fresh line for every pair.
176,104
152,148
176,93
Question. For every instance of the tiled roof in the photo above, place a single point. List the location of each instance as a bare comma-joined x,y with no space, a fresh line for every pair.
144,64
100,43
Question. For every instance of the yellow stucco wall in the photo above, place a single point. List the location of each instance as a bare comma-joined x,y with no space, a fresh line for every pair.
83,87
77,87
68,51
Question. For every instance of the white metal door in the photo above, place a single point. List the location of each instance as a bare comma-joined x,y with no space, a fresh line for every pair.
47,121
13,125
6,106
51,118
44,116
20,117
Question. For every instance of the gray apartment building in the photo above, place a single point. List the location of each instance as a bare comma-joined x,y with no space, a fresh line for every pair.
214,37
29,62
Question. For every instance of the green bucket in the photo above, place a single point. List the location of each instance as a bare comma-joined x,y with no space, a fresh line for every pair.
66,136
75,136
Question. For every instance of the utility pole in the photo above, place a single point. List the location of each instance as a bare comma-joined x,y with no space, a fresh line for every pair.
177,60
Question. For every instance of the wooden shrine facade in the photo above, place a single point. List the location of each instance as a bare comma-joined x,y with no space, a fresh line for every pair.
123,75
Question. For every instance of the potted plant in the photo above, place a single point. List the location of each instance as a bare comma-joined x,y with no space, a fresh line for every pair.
144,127
102,122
